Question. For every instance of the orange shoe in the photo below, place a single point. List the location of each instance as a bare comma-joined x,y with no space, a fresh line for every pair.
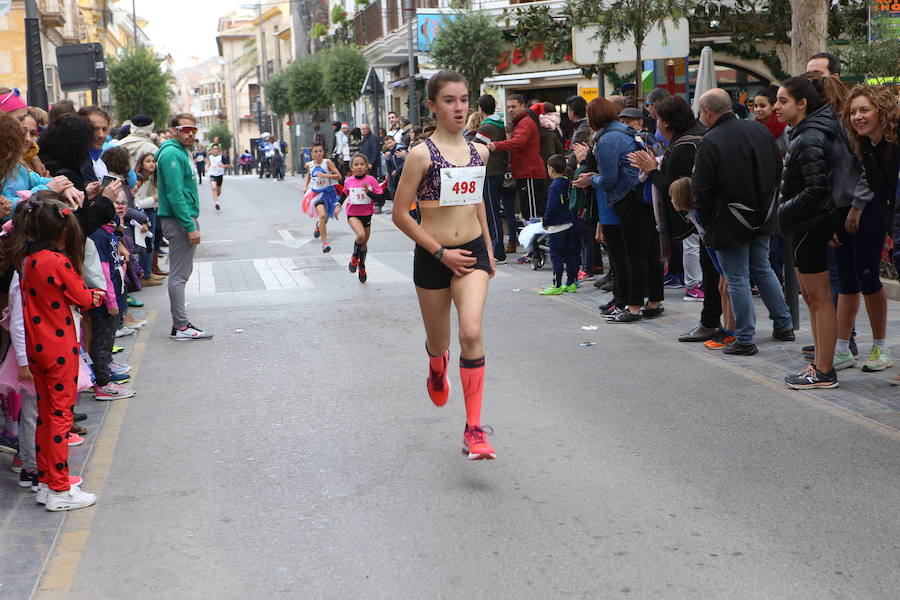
475,443
719,342
73,439
438,383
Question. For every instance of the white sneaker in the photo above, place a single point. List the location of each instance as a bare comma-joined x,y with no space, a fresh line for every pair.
125,331
112,391
43,490
69,500
136,324
191,333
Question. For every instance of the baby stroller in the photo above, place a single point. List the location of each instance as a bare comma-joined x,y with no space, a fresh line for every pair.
534,238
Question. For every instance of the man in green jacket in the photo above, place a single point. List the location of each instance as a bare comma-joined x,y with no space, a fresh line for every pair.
179,207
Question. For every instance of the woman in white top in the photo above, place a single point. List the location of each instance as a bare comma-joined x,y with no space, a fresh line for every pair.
216,171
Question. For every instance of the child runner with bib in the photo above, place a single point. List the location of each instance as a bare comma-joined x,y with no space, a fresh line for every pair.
362,191
453,257
321,200
216,173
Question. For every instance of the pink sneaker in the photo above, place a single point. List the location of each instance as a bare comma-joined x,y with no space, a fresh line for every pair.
73,439
475,443
693,294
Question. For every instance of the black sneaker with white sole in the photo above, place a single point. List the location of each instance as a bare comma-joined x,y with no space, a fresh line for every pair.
811,379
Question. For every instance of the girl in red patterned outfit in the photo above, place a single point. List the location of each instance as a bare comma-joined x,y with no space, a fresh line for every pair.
50,255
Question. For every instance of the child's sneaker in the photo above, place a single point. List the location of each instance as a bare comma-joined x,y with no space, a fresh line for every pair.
316,233
673,282
117,349
552,291
71,499
28,479
43,490
73,439
524,259
354,262
16,465
475,443
112,391
326,247
844,360
582,275
125,331
811,378
693,294
362,275
439,384
571,288
8,443
119,368
719,340
119,377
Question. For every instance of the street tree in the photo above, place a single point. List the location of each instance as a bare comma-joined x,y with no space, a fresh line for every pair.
220,130
809,31
623,20
470,43
343,73
304,84
277,93
139,85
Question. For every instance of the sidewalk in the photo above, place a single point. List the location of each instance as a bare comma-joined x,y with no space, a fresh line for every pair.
28,531
868,395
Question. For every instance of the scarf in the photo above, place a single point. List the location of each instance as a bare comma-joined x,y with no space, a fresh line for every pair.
775,127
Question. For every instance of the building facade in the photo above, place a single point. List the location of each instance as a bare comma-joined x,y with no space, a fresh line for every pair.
239,35
64,22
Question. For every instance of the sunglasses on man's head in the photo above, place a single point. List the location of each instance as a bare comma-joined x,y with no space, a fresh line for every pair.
186,128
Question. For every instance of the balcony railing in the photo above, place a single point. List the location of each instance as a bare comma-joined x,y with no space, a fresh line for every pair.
367,26
52,14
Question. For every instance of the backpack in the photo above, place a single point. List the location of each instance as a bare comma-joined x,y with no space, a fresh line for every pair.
581,200
678,226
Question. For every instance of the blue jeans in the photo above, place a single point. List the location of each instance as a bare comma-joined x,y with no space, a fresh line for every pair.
491,194
738,265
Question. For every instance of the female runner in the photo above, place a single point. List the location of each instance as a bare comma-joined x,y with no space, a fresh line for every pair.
452,261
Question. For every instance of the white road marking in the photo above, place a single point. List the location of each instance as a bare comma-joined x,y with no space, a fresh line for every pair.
377,271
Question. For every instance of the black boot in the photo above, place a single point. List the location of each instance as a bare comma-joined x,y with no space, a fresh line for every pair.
362,266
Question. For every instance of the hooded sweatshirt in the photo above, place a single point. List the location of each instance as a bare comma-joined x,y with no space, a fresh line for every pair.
492,129
177,185
138,143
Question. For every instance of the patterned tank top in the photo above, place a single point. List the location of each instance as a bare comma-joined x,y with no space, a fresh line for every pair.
429,193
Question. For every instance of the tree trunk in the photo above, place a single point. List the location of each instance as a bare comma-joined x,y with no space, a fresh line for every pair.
809,31
638,70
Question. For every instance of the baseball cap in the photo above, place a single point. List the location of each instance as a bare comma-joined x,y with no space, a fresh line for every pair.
631,113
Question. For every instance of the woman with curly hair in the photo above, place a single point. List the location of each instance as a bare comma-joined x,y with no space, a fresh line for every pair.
64,148
11,141
871,116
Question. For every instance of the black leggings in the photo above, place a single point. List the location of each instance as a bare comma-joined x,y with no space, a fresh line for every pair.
645,272
615,247
711,315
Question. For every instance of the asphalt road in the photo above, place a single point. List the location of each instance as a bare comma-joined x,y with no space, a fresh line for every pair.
297,454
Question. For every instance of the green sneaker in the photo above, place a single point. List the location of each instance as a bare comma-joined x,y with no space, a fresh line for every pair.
844,360
570,289
552,291
879,360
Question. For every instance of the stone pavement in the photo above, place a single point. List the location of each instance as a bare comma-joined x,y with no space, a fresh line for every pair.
865,394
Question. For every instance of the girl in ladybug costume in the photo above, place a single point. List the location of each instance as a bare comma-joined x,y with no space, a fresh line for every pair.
50,252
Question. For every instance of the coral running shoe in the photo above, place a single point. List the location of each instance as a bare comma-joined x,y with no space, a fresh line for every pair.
475,443
438,383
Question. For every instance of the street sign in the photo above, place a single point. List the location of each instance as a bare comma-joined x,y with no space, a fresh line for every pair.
675,45
589,93
81,67
372,83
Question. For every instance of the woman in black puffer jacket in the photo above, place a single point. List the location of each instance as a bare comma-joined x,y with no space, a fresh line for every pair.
806,210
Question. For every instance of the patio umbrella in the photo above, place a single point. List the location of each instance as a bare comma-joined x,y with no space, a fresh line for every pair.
706,77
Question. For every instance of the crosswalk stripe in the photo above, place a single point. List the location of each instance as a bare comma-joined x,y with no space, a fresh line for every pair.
377,271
